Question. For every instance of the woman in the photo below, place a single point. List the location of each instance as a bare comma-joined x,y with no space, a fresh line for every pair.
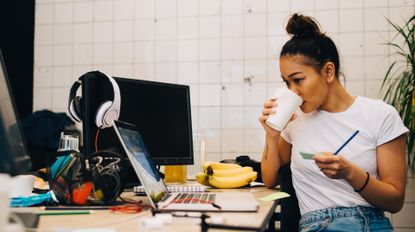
348,191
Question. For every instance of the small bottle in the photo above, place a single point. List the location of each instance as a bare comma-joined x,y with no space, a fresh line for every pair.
175,173
68,143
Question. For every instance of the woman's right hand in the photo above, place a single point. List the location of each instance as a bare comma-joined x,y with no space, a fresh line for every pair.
268,110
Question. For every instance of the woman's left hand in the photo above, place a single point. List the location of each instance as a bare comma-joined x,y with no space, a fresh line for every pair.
333,166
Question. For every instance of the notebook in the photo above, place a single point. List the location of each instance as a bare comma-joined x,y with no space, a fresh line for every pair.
174,188
159,196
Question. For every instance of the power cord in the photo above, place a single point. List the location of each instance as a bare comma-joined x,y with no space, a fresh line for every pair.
104,168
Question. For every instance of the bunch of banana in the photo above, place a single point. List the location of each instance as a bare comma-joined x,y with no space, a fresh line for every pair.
202,178
225,175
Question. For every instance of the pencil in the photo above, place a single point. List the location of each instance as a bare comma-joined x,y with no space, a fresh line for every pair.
72,212
345,143
82,207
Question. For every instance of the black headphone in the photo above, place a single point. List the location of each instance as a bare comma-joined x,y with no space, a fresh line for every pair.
107,112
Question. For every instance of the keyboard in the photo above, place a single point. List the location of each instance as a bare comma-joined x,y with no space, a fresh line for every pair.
195,198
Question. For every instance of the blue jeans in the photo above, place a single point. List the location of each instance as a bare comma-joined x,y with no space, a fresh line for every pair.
355,219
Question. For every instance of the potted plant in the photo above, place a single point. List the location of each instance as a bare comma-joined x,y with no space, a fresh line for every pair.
399,82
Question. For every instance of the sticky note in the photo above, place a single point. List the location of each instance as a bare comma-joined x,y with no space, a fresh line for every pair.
306,155
94,230
275,196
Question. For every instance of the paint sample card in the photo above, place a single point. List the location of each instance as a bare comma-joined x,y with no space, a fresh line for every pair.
306,155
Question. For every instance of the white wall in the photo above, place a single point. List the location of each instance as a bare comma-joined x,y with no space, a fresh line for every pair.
226,50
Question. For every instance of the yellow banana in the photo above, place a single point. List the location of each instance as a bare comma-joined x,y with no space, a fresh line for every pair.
228,172
218,166
202,178
232,181
206,164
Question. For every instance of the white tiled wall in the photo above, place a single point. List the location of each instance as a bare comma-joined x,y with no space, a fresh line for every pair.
226,50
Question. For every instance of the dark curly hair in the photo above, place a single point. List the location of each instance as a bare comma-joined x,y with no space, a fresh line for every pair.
307,40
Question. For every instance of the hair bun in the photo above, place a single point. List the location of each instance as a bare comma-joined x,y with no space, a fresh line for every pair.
302,26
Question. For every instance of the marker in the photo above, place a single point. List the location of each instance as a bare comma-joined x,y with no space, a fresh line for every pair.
72,212
345,143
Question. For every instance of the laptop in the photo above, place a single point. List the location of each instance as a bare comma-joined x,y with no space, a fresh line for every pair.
155,188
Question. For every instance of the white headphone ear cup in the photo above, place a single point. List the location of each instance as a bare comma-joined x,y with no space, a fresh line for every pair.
72,111
110,116
100,120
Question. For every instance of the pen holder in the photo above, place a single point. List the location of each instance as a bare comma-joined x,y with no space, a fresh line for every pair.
77,180
66,175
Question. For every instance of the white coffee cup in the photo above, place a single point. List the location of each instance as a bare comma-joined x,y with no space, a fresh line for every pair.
4,201
21,186
287,103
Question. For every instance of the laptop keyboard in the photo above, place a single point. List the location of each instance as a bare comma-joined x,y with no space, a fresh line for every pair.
195,198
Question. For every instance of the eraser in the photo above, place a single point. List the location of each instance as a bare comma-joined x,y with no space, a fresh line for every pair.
216,220
150,223
166,218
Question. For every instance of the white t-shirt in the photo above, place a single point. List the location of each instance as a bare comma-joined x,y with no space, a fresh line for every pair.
322,131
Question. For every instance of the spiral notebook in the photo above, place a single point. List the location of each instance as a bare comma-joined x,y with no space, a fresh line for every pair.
160,198
174,189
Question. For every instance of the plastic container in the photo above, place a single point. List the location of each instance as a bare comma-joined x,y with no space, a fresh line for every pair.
175,173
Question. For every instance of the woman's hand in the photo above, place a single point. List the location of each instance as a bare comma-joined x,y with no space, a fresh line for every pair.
266,112
334,166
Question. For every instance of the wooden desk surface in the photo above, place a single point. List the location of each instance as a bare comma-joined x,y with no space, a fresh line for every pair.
131,222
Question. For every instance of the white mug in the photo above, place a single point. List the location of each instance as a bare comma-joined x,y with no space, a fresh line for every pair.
4,201
287,104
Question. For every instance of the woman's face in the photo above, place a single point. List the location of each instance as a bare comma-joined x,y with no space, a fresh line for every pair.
304,80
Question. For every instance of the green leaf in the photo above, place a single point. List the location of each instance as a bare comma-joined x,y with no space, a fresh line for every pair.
399,82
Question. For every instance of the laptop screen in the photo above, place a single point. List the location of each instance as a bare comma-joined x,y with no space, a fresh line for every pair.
140,159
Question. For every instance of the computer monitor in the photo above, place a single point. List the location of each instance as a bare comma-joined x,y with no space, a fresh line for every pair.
14,158
161,111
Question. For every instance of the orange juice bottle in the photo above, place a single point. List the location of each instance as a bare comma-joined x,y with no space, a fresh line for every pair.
175,173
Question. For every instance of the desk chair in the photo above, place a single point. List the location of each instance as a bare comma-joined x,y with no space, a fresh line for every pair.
289,216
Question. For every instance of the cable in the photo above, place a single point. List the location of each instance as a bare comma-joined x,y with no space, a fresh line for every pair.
96,139
104,168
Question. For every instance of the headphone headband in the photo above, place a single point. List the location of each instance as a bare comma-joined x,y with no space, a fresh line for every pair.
106,113
116,90
74,88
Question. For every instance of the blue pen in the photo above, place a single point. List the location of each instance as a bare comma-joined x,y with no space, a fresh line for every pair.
345,143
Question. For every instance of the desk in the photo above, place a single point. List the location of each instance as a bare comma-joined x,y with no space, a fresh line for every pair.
258,221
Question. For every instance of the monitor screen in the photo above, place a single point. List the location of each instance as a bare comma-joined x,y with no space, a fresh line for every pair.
14,159
161,112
